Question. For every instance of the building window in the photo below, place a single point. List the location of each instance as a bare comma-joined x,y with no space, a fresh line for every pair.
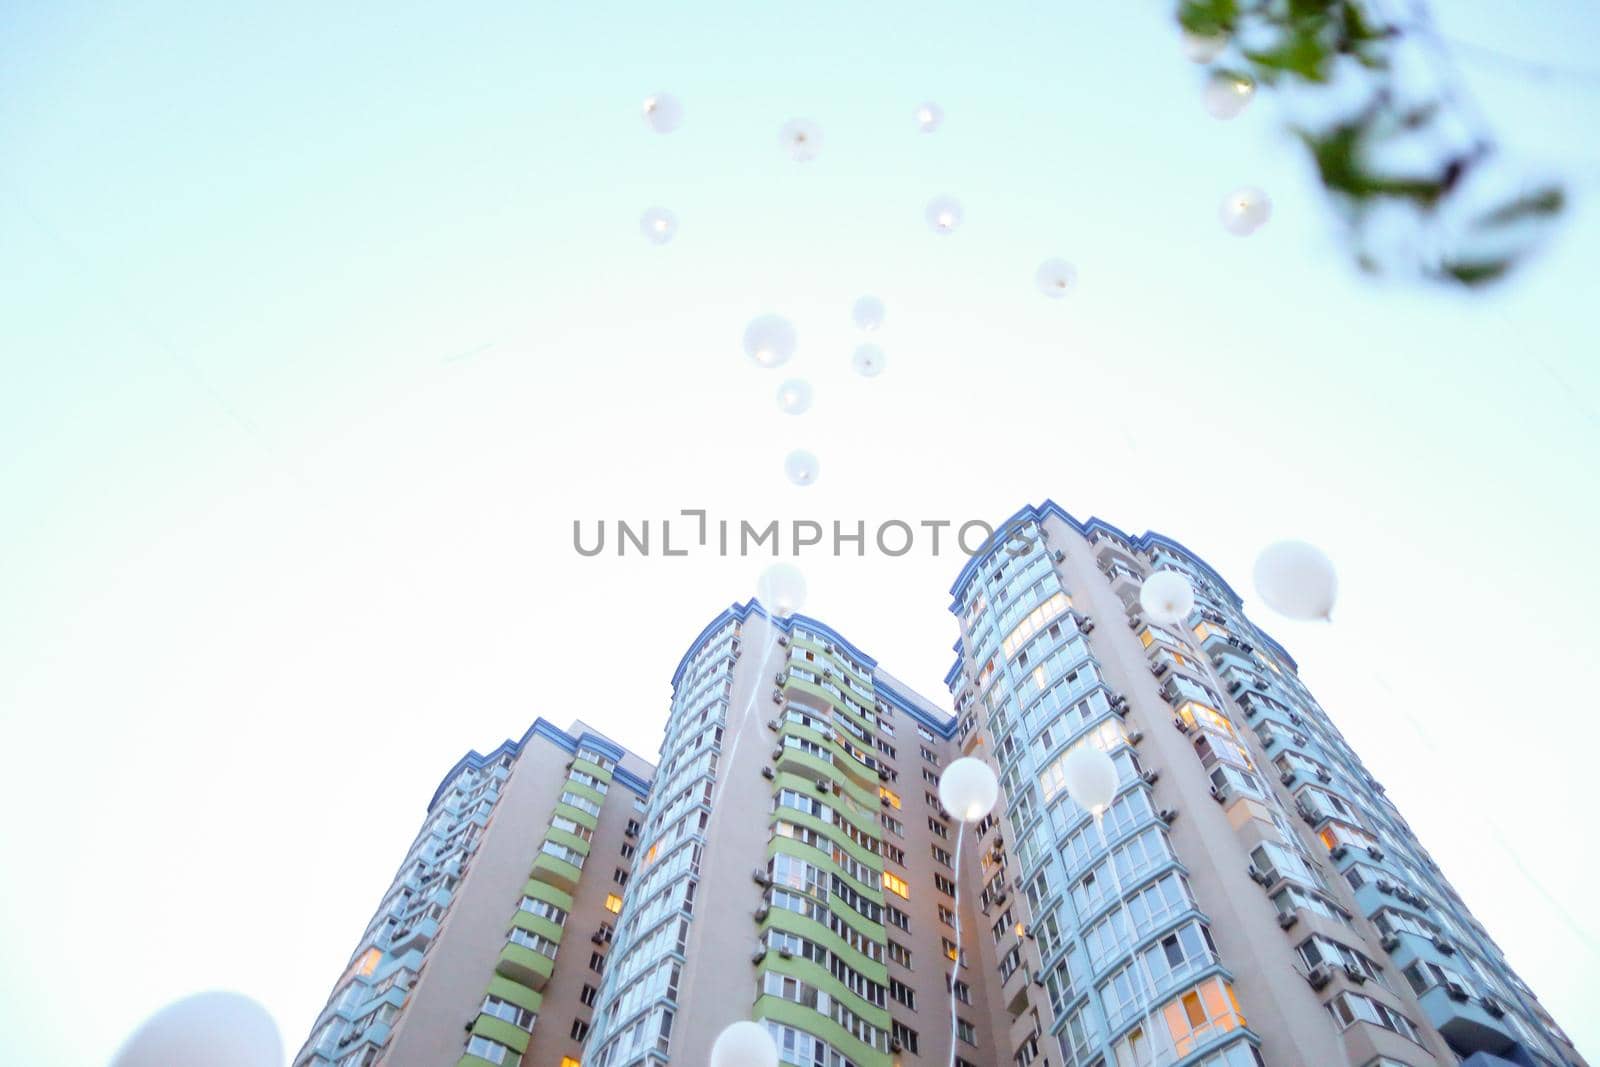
580,1030
484,1049
589,995
597,962
514,1014
905,1035
613,903
900,954
620,876
903,993
966,1031
896,885
890,795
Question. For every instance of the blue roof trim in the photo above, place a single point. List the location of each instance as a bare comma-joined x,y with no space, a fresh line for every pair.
1036,513
549,731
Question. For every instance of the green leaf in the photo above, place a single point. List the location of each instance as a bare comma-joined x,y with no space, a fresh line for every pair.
1208,17
1475,272
1301,53
1547,201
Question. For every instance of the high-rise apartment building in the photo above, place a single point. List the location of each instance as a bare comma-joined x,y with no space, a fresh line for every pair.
489,945
1250,898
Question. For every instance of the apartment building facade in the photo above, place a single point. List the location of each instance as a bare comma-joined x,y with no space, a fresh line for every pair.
489,945
1252,896
1250,899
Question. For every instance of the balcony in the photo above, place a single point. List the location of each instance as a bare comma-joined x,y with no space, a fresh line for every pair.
1464,1020
525,966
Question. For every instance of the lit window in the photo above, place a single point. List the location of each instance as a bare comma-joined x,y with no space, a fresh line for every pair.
888,794
613,903
896,885
568,1061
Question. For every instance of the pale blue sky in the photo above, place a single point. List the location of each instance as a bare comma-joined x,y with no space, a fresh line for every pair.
272,557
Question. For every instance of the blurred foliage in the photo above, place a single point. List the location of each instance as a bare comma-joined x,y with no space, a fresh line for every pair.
1400,146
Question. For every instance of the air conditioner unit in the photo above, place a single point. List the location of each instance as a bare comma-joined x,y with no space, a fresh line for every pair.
883,775
768,773
1262,686
1339,852
1286,921
883,802
824,786
895,1045
1151,776
761,912
783,639
1158,669
759,954
780,677
1287,777
1183,727
1444,946
1323,775
1086,625
1219,794
1135,622
1354,973
1375,852
1492,1006
1318,976
1390,942
777,753
777,696
784,953
774,724
1167,815
1456,991
760,877
1135,736
598,938
1059,556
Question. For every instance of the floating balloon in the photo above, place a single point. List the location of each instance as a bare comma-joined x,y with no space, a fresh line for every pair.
802,139
868,360
205,1030
794,397
658,225
1202,47
929,117
1166,597
1245,210
1091,778
801,467
744,1044
782,588
968,789
1227,94
943,214
867,313
1056,278
1297,580
662,112
769,340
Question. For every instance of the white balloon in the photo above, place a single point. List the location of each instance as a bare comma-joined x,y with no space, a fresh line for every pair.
1202,47
868,360
968,789
205,1030
782,588
1297,580
1056,278
943,214
744,1044
769,340
1091,778
1245,210
867,313
794,396
1227,95
1166,597
802,139
929,117
801,467
662,112
658,225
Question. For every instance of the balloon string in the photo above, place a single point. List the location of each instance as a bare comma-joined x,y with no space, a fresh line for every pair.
1146,981
955,966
